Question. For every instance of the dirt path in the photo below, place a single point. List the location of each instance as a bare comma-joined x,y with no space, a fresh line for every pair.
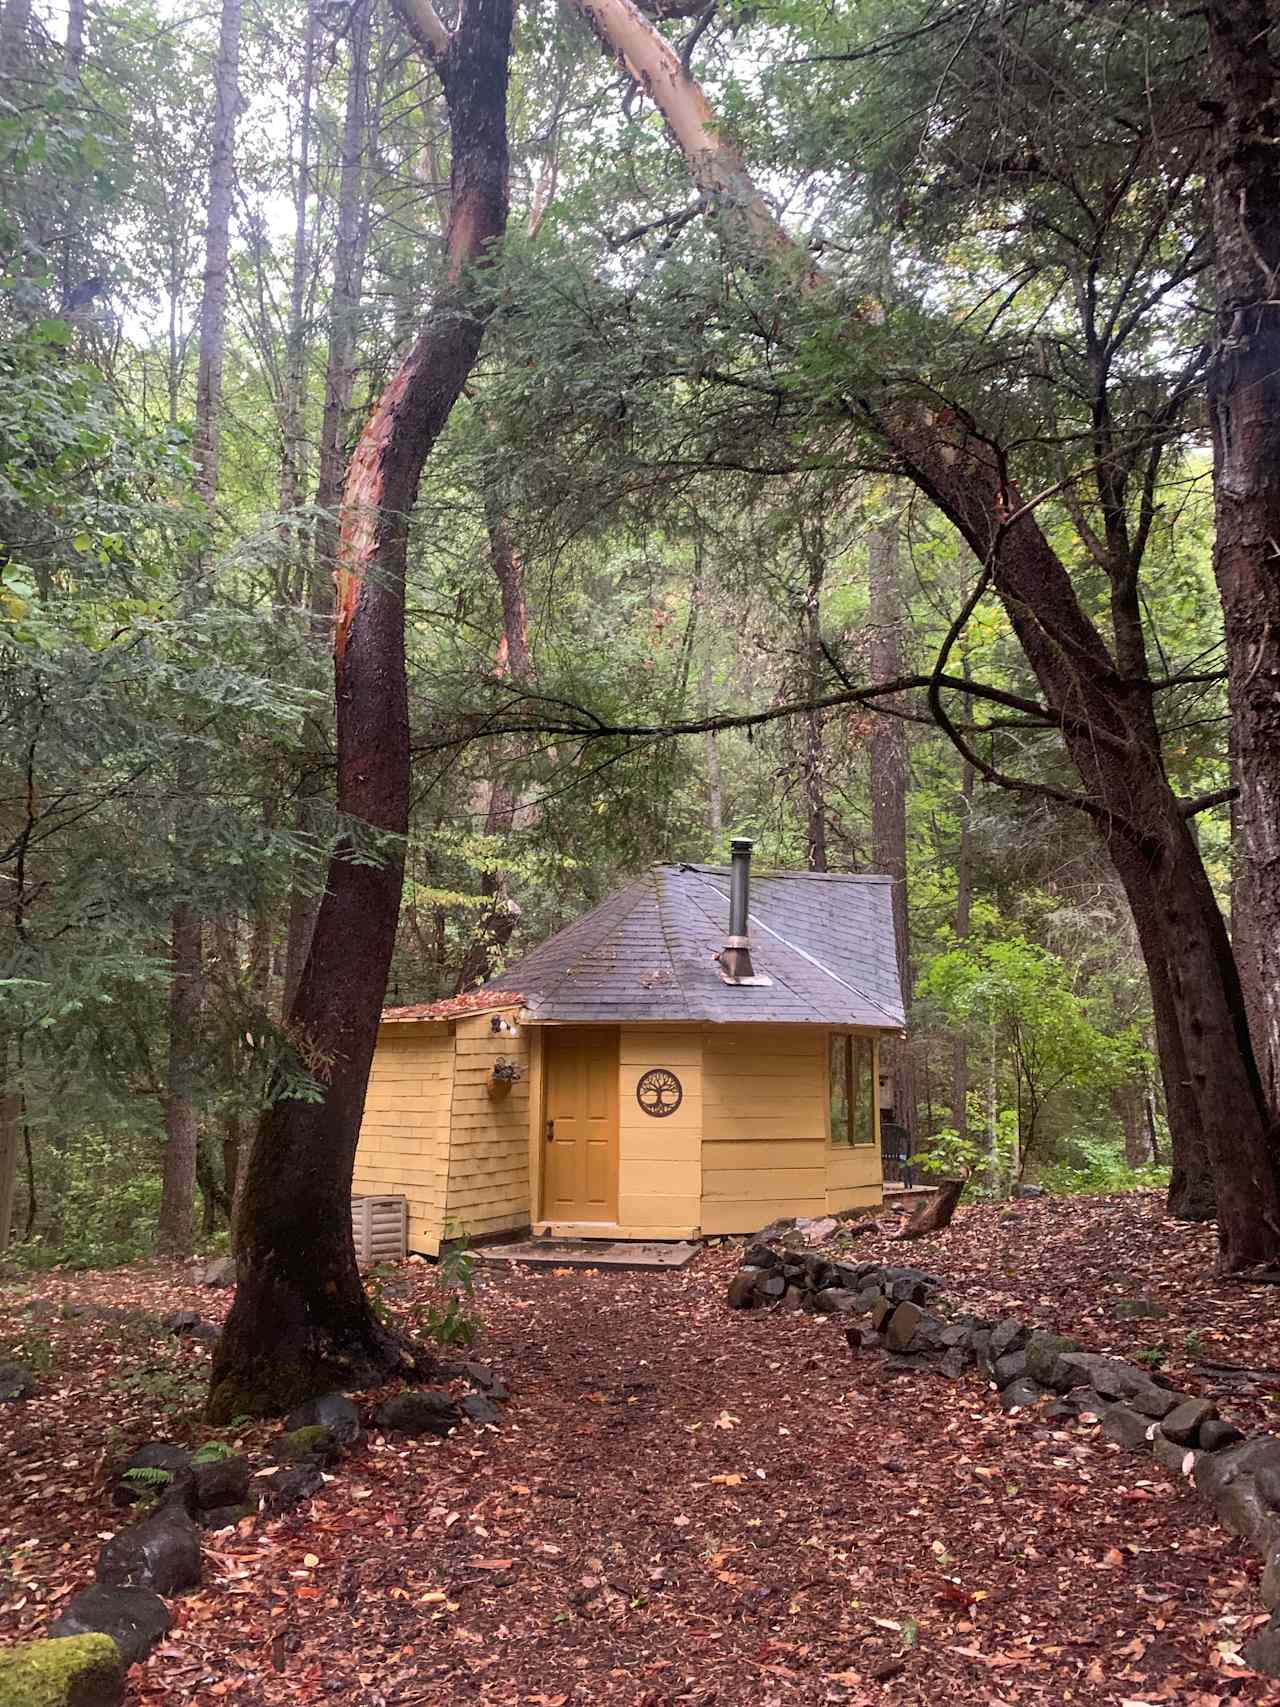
693,1506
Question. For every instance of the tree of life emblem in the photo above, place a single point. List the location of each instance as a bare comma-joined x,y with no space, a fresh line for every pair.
659,1092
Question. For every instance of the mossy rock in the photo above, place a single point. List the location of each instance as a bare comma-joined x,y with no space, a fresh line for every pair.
1043,1352
315,1443
75,1671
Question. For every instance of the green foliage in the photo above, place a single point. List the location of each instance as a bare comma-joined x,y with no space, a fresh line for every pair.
456,1321
212,1452
148,1476
1097,1165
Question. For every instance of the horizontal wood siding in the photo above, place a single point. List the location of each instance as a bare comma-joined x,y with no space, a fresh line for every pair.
659,1157
764,1141
488,1190
404,1133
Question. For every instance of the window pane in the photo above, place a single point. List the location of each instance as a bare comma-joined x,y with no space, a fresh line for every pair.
864,1124
839,1091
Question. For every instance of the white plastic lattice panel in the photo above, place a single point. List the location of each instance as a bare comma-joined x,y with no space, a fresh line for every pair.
381,1229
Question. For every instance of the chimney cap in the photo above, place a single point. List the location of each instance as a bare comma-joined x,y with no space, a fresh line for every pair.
744,842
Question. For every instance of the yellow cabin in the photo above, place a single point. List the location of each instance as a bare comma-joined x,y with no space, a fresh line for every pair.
697,1055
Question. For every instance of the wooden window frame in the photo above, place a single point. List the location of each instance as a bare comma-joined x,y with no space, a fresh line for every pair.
853,1044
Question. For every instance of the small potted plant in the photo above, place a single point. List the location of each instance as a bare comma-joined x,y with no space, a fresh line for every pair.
505,1074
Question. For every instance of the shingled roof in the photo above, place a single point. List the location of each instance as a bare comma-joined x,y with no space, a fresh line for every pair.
649,953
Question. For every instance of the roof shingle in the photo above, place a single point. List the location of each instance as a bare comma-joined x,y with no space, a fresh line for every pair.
649,951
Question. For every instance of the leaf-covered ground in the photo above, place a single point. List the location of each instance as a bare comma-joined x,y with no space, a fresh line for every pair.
687,1505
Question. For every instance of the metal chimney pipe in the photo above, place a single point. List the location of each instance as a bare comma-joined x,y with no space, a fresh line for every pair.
735,959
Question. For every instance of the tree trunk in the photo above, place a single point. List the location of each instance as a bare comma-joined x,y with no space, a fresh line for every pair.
350,243
1244,397
176,1227
935,1214
887,752
73,42
301,1322
1106,712
293,386
814,768
964,882
9,1108
501,917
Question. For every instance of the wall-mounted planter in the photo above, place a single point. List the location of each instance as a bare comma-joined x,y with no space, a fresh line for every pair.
505,1074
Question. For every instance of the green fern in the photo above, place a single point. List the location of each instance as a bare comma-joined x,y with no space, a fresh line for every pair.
148,1476
212,1452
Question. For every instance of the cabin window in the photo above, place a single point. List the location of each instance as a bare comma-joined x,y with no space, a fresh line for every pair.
852,1114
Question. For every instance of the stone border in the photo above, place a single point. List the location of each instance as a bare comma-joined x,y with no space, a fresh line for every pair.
1238,1477
160,1555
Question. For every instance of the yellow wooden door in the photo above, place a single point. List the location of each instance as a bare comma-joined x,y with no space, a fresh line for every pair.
580,1148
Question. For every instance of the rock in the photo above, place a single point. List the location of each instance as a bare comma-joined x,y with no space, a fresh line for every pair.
771,1286
1127,1428
902,1326
835,1301
1081,1401
742,1289
957,1360
1215,1434
905,1363
1021,1394
70,1671
285,1489
760,1256
226,1516
177,1486
1110,1376
956,1334
1029,1191
908,1289
419,1413
180,1322
863,1339
1270,1585
1267,1482
478,1408
1263,1652
1156,1402
207,1333
335,1412
488,1381
314,1444
1043,1351
881,1311
16,1383
223,1482
1138,1309
1009,1368
1218,1470
1183,1423
161,1553
134,1618
1240,1509
793,1298
220,1272
980,1346
1172,1455
1007,1336
817,1232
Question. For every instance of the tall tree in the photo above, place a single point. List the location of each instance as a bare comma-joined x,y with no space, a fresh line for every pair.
1102,700
301,1320
176,1223
1244,396
887,756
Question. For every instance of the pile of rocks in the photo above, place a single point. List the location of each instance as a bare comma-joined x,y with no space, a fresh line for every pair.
899,1314
806,1280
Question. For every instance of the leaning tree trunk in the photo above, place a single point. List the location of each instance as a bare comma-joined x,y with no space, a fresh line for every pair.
1244,397
301,1321
887,753
350,242
1106,714
176,1223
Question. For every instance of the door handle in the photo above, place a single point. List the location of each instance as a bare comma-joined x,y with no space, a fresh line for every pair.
551,1130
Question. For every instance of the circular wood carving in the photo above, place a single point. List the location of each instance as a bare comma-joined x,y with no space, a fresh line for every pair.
659,1092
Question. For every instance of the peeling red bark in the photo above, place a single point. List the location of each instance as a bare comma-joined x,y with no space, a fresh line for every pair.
301,1321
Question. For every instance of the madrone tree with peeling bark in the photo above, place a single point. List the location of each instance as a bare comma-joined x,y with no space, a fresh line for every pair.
301,1322
1101,693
